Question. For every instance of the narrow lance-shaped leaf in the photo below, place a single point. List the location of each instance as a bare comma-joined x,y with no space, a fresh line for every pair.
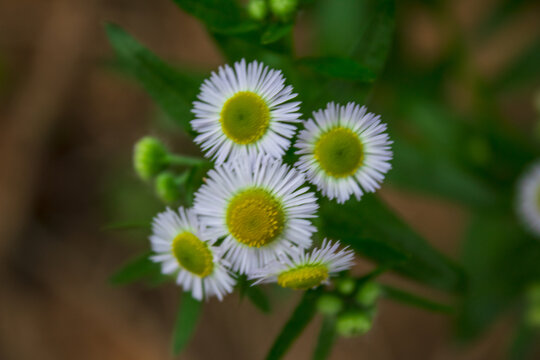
300,318
373,230
326,339
257,297
186,321
172,90
136,269
275,32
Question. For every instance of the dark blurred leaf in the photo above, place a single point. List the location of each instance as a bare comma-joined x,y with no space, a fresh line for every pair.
300,318
525,338
186,321
221,16
342,68
375,41
171,89
326,339
371,229
337,22
275,32
523,70
503,12
430,172
501,260
254,294
362,30
136,269
414,300
259,299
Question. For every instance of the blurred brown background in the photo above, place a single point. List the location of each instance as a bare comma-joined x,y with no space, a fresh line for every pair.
67,125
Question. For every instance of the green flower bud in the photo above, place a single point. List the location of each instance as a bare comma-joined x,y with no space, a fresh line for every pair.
368,293
257,9
329,304
345,286
283,8
150,157
532,313
353,323
532,316
167,187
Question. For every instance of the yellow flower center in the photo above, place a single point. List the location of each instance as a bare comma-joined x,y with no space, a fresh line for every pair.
303,277
245,117
339,152
255,217
193,254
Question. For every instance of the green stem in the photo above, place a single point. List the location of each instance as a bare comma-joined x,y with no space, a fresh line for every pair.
186,160
327,335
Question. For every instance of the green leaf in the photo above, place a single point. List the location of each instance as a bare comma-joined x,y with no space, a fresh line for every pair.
522,71
342,68
326,339
172,90
259,299
300,318
371,229
429,172
361,30
414,300
186,321
275,32
375,41
220,16
525,339
136,269
501,261
253,293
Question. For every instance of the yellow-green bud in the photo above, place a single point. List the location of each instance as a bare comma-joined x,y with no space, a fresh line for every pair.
532,316
167,187
283,8
329,304
345,286
353,323
257,9
532,313
368,293
150,157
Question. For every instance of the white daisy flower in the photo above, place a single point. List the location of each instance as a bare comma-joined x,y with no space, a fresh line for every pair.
302,271
344,151
259,205
245,110
185,249
528,198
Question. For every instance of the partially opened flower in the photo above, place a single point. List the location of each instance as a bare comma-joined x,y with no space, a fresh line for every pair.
344,151
302,271
243,111
184,249
528,199
261,208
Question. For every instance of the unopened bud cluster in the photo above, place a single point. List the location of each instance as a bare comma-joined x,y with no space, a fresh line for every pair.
353,303
152,161
282,9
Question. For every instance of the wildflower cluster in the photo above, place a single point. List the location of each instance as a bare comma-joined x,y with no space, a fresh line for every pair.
253,214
